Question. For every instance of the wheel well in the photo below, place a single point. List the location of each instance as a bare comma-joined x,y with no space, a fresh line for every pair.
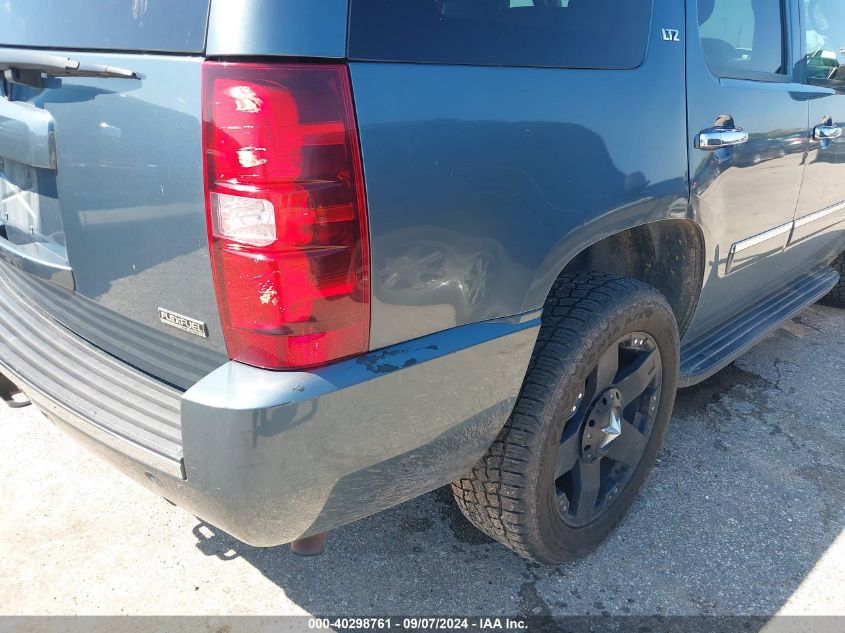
668,255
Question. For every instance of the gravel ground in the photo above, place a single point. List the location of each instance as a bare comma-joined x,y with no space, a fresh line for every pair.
743,514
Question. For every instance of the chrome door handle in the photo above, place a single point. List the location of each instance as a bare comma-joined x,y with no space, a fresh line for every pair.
718,137
826,132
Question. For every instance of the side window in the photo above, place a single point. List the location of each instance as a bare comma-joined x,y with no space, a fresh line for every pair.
825,41
121,25
742,38
553,33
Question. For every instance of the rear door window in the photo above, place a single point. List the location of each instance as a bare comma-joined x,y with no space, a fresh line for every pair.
742,38
824,34
559,33
120,25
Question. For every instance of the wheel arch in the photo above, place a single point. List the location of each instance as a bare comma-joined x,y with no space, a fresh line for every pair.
668,254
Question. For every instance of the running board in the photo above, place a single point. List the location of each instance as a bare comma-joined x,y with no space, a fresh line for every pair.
713,351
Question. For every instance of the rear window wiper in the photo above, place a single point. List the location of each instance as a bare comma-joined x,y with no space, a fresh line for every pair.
30,67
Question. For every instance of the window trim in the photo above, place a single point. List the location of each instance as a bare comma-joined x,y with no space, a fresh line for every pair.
749,75
787,53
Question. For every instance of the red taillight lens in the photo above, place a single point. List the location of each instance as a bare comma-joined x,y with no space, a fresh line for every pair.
286,213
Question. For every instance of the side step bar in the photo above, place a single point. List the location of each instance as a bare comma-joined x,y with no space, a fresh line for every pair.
703,357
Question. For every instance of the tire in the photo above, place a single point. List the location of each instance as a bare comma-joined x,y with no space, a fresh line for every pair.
514,493
836,297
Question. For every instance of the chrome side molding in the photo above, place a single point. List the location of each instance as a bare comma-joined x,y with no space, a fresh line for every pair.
749,250
757,246
808,225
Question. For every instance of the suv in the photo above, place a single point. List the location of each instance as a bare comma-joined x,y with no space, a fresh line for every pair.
290,263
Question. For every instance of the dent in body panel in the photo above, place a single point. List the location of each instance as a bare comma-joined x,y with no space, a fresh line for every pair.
484,182
738,193
744,199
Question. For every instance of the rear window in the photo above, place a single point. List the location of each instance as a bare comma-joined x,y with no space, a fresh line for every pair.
123,25
560,33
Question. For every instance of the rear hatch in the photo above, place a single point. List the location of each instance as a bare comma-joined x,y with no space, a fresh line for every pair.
102,224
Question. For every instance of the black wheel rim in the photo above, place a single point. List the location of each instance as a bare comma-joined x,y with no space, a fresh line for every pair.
610,424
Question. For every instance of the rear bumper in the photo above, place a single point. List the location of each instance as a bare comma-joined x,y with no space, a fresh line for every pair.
274,456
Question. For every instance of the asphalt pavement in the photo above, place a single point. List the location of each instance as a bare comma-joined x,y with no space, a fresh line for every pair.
742,515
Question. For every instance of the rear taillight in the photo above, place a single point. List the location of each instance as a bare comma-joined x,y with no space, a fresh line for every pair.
286,213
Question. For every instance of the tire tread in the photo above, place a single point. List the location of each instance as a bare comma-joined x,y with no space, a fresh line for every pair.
492,495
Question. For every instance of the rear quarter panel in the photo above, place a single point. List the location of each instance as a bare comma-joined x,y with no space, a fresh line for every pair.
483,182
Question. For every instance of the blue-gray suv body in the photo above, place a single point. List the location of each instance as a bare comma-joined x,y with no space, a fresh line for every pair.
289,263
